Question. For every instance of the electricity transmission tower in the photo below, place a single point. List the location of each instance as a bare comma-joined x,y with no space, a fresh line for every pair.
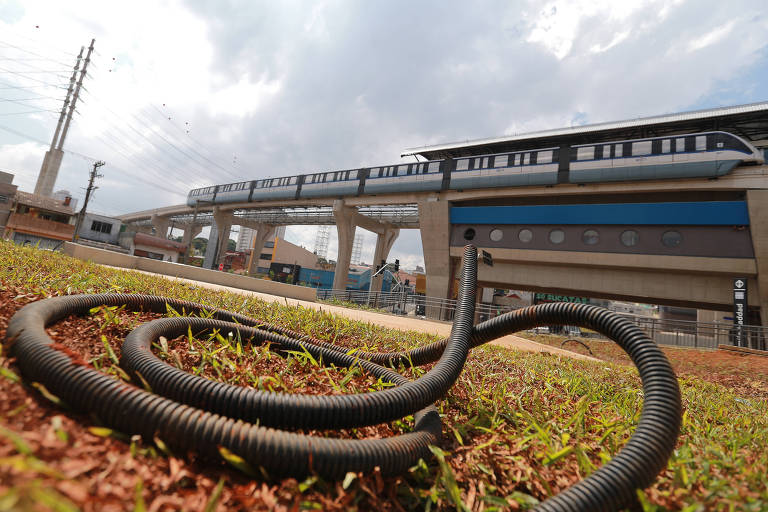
52,161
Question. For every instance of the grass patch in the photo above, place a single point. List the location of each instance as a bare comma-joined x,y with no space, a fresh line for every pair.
518,427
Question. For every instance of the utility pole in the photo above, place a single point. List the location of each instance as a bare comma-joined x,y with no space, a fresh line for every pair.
88,191
52,161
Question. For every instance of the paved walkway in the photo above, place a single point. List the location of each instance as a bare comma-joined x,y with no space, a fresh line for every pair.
403,323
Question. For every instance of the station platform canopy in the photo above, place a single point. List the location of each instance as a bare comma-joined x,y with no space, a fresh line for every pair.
747,121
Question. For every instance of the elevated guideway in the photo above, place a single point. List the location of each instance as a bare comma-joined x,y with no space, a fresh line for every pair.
592,260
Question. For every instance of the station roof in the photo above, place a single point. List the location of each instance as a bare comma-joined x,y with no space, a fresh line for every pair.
748,121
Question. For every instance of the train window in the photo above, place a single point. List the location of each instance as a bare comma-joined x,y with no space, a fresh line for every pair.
469,234
629,238
434,166
557,236
353,175
641,148
402,170
544,157
587,153
619,150
517,159
374,173
666,145
671,238
701,143
525,235
462,165
526,159
590,237
496,235
501,161
679,145
485,162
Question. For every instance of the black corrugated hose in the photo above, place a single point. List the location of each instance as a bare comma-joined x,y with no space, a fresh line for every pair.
192,413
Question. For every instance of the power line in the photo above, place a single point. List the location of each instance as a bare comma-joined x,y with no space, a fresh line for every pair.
143,136
25,112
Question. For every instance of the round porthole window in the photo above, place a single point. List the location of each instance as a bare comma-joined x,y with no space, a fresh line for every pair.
629,238
525,235
469,234
496,235
671,239
557,236
590,237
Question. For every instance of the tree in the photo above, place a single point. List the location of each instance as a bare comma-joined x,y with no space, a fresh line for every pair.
231,245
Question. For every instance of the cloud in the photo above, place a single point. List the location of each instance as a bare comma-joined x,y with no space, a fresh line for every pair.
202,92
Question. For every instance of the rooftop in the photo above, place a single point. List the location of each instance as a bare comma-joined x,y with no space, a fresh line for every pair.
749,121
43,202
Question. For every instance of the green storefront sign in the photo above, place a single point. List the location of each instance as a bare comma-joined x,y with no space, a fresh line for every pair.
549,297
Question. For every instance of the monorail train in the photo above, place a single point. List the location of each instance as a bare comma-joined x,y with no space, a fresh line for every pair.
696,155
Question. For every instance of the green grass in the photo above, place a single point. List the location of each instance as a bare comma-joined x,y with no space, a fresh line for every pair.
518,427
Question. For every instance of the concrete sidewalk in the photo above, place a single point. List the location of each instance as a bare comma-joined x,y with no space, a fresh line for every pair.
402,323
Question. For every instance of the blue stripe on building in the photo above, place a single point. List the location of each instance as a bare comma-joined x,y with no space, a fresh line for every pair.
710,213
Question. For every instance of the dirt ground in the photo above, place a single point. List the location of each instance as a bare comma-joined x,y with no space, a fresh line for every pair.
745,375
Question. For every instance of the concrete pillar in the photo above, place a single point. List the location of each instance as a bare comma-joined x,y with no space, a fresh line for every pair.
345,227
190,233
161,225
384,242
217,240
435,227
49,171
757,205
262,233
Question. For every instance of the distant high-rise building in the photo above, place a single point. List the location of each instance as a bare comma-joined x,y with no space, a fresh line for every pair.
321,241
357,249
245,238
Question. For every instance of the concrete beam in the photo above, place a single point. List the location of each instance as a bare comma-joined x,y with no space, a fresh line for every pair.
654,286
345,228
757,205
435,227
263,232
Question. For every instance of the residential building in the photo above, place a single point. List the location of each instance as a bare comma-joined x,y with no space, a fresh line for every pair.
7,195
100,228
39,220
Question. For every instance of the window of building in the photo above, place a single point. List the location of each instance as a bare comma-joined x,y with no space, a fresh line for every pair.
3,199
671,238
629,238
525,235
496,235
265,256
469,234
557,236
590,237
101,227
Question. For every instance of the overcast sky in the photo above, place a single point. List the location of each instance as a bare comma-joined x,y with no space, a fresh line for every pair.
183,94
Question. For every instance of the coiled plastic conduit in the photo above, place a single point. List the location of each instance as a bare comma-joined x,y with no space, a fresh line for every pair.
197,414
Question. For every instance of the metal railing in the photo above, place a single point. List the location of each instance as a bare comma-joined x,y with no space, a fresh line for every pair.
680,333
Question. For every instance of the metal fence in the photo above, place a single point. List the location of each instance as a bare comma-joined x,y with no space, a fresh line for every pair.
680,333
